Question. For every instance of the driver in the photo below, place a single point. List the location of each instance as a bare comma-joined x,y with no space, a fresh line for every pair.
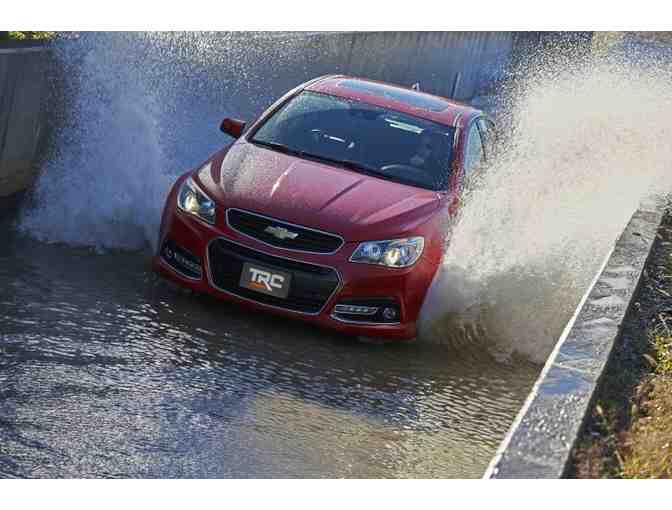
428,154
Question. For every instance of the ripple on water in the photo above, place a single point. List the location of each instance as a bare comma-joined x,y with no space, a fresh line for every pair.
110,376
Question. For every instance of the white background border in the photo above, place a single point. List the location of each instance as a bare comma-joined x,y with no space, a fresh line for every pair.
333,15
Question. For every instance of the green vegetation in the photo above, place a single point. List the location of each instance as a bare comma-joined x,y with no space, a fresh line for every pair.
629,433
646,448
6,36
635,440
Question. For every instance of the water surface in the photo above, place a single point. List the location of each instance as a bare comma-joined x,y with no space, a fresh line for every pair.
107,371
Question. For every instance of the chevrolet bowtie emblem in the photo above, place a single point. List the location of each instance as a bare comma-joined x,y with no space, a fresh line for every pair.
281,232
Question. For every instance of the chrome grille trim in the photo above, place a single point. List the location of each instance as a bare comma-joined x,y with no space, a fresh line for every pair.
283,222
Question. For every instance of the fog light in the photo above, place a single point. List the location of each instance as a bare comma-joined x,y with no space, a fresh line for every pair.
374,310
356,310
193,266
182,260
389,313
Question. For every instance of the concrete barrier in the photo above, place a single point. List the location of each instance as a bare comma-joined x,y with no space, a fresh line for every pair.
254,70
540,441
22,97
437,60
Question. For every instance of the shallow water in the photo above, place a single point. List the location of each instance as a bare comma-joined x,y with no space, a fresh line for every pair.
107,371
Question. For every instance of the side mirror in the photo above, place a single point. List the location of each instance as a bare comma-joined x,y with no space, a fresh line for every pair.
232,127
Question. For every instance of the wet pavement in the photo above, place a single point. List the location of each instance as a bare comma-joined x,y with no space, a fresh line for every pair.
108,371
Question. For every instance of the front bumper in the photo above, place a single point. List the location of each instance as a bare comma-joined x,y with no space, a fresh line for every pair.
338,281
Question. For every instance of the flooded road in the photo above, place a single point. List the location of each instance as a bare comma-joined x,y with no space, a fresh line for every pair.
107,371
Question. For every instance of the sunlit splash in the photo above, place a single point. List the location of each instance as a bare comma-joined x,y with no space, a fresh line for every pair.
141,108
587,140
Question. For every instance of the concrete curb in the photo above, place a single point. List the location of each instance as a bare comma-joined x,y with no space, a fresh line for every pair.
540,441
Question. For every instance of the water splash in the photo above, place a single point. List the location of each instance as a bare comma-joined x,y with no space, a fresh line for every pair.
104,184
141,108
588,140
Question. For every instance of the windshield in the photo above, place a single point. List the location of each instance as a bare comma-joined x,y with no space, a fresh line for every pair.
363,138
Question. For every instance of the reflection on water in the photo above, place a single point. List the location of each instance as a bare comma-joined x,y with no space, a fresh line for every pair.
107,371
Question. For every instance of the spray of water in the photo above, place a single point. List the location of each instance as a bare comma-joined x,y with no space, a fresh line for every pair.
588,140
104,183
141,108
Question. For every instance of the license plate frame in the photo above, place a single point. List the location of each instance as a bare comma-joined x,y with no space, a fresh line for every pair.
265,280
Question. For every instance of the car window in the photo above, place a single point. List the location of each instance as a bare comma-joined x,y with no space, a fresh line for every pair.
362,137
474,155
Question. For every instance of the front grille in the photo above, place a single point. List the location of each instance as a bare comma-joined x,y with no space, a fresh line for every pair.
310,288
307,239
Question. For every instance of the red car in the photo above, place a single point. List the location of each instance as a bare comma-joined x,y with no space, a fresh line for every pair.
331,207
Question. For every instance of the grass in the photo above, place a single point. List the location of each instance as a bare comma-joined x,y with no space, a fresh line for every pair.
629,433
25,35
646,449
632,438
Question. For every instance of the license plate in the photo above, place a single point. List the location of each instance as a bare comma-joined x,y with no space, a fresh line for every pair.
265,280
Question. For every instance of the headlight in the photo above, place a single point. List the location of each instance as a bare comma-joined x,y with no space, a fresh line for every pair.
193,201
395,253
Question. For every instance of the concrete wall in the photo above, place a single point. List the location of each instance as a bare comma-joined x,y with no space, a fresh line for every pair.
268,65
22,96
432,58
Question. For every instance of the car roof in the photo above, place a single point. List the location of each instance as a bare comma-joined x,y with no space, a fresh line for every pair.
395,97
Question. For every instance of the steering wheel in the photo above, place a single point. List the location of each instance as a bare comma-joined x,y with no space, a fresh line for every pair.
318,136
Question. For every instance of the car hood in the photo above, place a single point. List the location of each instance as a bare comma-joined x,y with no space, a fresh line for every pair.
355,206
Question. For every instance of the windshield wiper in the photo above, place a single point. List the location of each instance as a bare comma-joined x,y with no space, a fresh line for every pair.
345,163
280,147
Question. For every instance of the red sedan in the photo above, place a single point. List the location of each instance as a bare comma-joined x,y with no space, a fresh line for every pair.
331,207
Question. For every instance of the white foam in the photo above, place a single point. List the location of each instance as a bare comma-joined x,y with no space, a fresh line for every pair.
140,109
106,182
587,144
